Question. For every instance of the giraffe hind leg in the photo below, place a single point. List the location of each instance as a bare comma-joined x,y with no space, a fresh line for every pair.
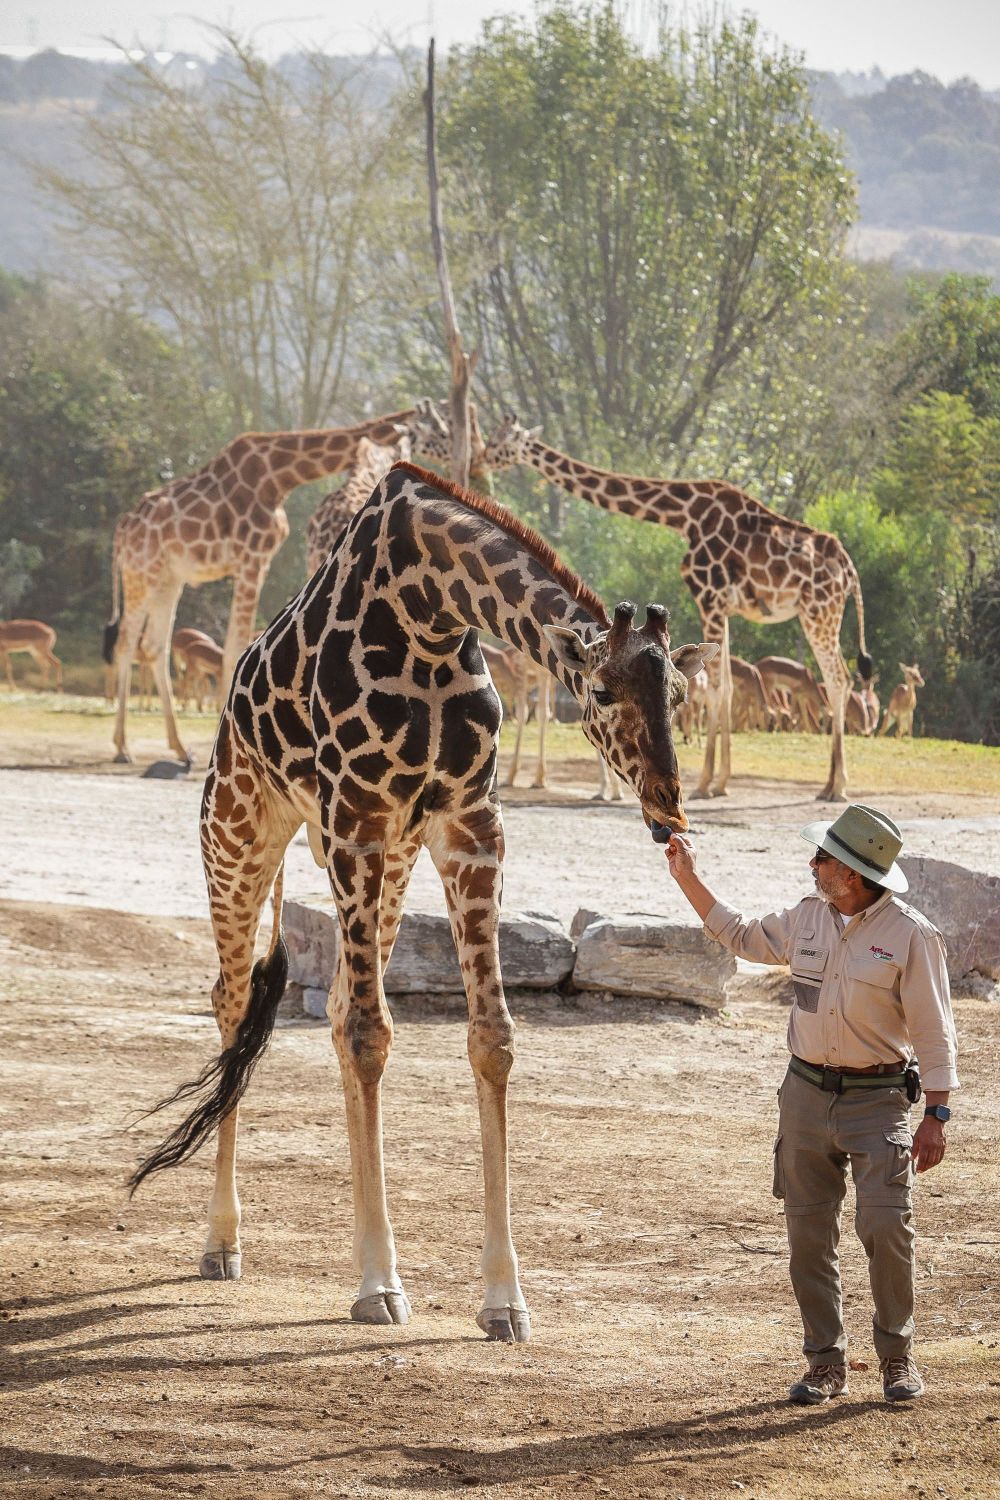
244,836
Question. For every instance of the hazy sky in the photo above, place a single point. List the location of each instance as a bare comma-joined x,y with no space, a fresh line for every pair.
948,38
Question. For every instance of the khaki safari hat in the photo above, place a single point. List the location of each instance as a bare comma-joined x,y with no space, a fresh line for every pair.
864,840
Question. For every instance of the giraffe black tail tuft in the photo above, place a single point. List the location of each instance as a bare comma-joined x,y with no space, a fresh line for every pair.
109,641
865,665
226,1078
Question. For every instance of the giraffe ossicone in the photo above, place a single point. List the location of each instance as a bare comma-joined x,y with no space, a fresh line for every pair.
365,711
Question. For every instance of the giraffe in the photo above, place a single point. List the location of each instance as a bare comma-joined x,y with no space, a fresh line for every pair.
365,710
743,559
371,462
227,520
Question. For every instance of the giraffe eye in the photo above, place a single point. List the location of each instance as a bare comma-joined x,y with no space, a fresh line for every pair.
603,698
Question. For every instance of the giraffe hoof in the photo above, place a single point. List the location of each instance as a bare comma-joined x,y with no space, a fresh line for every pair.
505,1325
122,759
383,1308
221,1265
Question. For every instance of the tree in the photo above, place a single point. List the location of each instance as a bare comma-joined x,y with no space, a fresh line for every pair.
93,410
246,211
648,232
17,564
944,464
951,343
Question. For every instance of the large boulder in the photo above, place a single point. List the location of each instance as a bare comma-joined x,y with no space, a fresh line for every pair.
535,953
964,906
644,955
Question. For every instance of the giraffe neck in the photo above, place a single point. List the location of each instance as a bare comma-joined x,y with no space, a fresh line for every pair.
625,494
457,561
273,463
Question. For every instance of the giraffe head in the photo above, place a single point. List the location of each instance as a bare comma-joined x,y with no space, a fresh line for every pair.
911,675
631,683
430,432
506,444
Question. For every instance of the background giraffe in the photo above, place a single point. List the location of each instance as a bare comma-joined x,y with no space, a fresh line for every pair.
365,711
372,461
227,520
743,559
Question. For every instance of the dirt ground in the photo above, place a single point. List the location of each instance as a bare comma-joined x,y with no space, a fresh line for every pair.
652,1254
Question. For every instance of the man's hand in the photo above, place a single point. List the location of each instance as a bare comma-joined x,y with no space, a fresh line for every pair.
680,857
928,1143
680,862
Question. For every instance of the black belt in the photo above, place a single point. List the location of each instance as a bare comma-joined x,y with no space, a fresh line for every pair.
835,1083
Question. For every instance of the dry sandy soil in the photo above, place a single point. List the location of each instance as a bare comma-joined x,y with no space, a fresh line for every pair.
652,1253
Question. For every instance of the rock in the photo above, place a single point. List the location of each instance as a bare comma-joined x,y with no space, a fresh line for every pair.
757,983
965,907
165,770
642,955
582,921
535,953
314,1002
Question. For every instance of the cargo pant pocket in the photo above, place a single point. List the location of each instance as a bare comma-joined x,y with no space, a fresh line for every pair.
778,1171
899,1158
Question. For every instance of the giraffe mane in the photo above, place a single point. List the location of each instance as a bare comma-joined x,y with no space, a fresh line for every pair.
539,548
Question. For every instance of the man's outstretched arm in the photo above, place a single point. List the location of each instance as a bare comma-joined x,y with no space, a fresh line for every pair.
680,862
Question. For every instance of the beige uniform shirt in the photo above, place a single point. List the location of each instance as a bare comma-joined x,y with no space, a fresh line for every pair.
875,991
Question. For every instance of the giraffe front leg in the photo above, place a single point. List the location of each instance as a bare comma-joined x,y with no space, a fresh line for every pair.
362,1035
469,857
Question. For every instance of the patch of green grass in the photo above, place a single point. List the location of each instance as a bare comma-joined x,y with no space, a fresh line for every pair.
880,765
75,725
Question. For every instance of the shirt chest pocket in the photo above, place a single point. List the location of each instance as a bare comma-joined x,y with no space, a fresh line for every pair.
874,973
808,964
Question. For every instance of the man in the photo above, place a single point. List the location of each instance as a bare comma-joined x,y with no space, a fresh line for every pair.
871,996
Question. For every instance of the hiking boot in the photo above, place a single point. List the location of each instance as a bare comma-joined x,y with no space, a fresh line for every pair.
901,1379
819,1384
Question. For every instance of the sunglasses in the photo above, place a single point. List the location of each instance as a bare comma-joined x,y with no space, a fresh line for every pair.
820,857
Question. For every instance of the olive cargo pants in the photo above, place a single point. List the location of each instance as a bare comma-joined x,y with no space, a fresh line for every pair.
818,1134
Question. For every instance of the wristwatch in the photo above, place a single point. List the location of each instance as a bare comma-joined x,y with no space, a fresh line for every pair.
939,1111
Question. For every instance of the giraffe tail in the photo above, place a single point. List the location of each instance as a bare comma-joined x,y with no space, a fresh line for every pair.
111,628
865,664
225,1080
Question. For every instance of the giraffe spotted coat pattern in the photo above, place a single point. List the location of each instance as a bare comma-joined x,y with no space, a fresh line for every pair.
365,711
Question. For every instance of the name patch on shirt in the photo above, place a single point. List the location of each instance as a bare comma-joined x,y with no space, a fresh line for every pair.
881,953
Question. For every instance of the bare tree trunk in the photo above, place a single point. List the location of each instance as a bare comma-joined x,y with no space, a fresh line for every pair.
462,364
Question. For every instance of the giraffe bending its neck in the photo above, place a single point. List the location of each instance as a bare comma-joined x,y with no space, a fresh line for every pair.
743,559
365,710
227,520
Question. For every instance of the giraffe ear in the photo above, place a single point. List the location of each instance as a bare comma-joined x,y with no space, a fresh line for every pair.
570,648
691,659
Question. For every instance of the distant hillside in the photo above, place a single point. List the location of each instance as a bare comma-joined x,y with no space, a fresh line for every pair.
926,154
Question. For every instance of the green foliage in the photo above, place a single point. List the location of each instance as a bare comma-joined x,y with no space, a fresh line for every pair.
951,342
245,210
944,464
17,563
652,237
91,408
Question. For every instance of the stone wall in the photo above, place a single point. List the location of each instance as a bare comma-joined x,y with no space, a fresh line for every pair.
635,953
625,955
